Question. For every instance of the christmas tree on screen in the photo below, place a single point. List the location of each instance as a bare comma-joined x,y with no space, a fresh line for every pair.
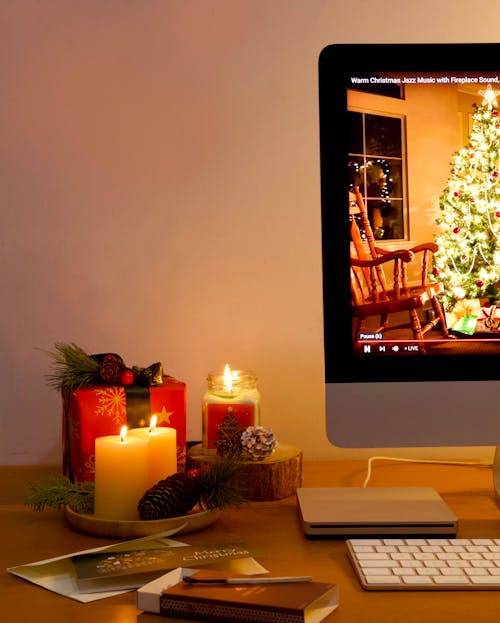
468,260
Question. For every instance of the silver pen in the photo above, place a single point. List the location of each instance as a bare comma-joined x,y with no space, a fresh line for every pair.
249,580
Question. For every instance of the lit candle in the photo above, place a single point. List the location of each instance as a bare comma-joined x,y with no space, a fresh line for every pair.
234,392
121,476
162,442
227,378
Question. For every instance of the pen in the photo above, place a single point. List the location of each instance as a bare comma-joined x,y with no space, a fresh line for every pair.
249,580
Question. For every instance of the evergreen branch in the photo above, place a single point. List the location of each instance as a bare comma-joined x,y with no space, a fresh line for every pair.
220,483
59,492
72,368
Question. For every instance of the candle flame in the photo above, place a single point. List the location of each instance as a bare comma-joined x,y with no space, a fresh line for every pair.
152,423
228,378
123,434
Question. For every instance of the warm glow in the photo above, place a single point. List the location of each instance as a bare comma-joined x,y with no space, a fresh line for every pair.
490,96
123,434
152,423
228,378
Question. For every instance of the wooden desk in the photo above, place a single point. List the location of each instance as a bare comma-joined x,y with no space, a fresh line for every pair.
27,536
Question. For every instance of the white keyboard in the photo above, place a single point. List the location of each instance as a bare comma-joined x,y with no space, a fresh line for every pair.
426,564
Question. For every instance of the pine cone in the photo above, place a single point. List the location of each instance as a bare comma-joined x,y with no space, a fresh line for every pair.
258,442
111,369
171,497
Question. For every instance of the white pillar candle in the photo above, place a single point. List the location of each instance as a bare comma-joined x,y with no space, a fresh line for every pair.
162,450
121,476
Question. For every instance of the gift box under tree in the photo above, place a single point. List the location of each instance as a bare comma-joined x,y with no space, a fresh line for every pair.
100,395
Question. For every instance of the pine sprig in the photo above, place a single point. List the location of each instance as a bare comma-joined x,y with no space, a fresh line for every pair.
209,486
220,483
73,368
59,492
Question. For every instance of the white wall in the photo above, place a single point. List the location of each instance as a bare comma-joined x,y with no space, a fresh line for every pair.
159,191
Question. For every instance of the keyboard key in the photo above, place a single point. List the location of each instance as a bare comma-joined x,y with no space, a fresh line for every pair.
383,580
427,571
424,556
451,579
452,572
484,580
378,571
417,580
364,548
372,556
402,571
355,542
379,563
386,549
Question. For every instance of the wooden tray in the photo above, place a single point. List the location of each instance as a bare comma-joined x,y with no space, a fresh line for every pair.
135,529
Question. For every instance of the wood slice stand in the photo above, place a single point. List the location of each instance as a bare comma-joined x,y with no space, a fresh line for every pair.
273,478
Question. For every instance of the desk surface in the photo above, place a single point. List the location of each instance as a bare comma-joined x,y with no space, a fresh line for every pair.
27,536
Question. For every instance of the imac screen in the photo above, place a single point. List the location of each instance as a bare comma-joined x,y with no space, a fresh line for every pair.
410,182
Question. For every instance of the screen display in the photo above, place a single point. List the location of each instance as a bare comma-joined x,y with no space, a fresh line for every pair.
410,171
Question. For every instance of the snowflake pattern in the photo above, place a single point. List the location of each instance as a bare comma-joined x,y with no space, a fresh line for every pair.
90,464
111,402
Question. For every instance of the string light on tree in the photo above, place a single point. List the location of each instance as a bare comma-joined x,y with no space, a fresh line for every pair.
467,262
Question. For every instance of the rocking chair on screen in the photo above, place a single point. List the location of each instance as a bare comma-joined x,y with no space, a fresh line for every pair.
370,293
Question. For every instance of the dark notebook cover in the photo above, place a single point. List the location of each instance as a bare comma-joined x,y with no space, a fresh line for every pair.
284,602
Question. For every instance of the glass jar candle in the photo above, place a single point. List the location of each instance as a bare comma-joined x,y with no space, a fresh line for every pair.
233,392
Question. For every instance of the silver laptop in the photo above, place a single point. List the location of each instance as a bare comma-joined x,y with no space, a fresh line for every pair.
375,511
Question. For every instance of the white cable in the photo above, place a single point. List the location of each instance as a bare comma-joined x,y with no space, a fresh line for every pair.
408,460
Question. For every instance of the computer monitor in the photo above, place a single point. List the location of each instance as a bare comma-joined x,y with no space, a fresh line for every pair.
403,128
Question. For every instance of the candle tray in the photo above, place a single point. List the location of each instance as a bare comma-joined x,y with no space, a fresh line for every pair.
135,529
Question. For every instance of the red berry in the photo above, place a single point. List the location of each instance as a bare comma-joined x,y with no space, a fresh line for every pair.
127,377
456,194
495,174
497,214
456,230
479,283
435,272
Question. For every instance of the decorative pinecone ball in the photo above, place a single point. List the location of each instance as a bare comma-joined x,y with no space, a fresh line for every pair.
111,369
257,442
